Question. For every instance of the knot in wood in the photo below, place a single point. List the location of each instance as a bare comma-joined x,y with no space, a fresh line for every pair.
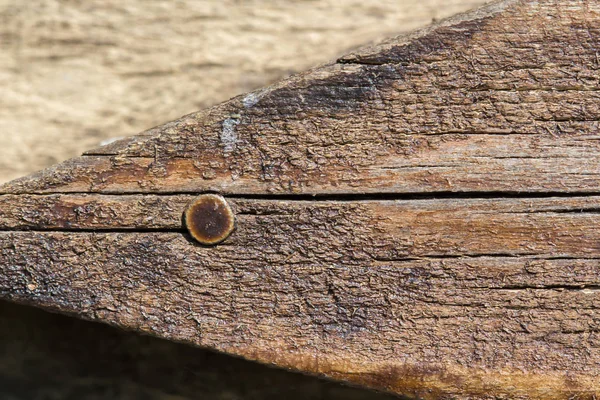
209,219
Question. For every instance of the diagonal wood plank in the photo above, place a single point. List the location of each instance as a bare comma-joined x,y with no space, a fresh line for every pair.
418,217
403,295
502,99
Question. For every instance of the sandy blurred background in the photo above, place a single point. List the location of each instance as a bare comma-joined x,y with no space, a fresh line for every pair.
76,73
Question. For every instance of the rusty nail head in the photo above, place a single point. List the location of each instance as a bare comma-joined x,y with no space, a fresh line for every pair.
209,219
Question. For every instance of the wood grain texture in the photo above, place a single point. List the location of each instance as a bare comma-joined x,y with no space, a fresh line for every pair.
74,74
500,100
418,217
503,291
46,355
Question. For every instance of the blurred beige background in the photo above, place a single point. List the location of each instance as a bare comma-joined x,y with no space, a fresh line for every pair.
76,73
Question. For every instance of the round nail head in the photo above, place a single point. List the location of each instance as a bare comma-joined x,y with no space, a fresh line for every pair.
209,219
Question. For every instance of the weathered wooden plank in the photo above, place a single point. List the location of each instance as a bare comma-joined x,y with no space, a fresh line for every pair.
50,355
472,105
517,327
382,229
375,292
441,163
488,291
138,64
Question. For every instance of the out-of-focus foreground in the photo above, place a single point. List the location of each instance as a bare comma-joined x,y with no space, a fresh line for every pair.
74,74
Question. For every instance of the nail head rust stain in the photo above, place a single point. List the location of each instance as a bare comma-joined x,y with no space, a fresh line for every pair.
209,219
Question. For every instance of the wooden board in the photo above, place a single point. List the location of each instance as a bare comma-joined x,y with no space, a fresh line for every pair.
499,100
50,355
75,74
419,217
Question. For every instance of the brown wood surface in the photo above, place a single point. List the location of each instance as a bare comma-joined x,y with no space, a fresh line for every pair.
77,73
500,100
419,217
51,356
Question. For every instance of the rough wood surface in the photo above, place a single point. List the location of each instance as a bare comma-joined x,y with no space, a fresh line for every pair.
501,100
74,74
376,292
50,356
419,217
